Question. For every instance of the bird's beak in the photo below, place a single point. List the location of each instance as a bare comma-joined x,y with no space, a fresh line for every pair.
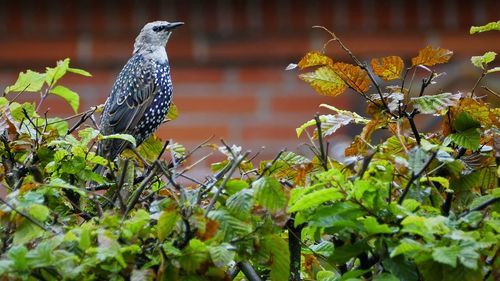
173,25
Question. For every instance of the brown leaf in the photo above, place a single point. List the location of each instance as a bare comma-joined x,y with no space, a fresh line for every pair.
314,58
430,56
359,145
388,68
354,76
325,81
211,228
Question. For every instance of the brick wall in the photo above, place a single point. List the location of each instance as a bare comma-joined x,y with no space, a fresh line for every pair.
228,60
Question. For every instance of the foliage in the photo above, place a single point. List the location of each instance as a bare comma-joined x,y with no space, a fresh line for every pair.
414,206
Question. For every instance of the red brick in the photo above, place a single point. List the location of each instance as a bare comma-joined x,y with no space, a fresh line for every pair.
216,104
306,104
29,50
258,48
268,132
196,75
192,133
261,75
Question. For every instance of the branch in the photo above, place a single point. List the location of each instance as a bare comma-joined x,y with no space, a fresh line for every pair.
236,163
414,177
480,206
25,215
249,271
477,83
137,193
323,155
414,129
294,245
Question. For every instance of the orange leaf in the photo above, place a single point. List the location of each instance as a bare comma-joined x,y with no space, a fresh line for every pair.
353,75
388,68
430,56
325,81
314,58
359,145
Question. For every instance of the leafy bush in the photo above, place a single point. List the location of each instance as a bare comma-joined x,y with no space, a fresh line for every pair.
415,206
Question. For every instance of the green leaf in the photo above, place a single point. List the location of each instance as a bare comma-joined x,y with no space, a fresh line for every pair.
39,212
385,277
417,159
493,70
468,255
138,222
315,198
235,185
372,226
166,223
269,193
407,246
26,231
53,74
222,254
402,268
194,255
464,122
150,148
435,104
125,137
345,252
230,225
18,255
29,81
325,81
87,134
79,71
469,139
71,97
483,28
240,203
482,61
280,257
446,255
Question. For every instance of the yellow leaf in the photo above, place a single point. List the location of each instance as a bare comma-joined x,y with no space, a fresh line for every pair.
173,112
353,75
325,81
430,56
388,68
478,110
314,58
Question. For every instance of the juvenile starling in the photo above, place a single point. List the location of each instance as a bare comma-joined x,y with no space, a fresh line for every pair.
141,94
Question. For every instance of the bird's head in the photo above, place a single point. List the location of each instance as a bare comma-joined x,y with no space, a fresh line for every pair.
155,34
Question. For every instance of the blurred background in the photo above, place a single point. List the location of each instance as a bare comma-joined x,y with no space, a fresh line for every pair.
228,61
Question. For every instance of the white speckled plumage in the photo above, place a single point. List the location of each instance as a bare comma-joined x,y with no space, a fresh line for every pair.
141,95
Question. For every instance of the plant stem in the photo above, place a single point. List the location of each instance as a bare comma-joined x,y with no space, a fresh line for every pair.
414,177
323,154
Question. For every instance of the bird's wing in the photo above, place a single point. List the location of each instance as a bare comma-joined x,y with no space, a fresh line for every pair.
133,96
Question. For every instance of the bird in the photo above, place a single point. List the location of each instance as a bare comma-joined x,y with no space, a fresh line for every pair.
142,93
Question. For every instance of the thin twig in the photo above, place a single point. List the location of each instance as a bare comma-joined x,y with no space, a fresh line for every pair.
414,177
323,154
480,206
477,83
25,215
491,91
270,164
236,163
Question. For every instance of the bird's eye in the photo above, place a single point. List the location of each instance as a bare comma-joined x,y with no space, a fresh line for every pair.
158,28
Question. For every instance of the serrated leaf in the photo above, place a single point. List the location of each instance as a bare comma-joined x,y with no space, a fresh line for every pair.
314,199
487,27
71,97
166,223
354,76
482,61
29,81
388,68
229,224
150,148
446,255
436,103
468,139
241,202
53,74
331,123
314,58
279,257
407,246
372,226
125,137
325,81
221,255
269,193
430,56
